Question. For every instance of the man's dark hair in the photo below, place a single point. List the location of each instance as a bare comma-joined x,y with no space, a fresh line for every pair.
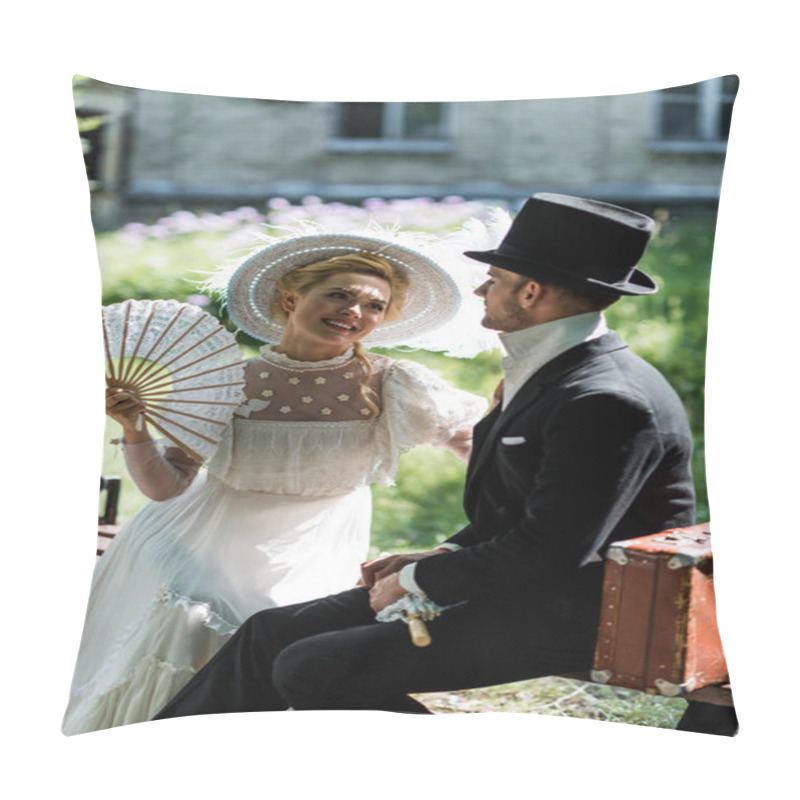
589,299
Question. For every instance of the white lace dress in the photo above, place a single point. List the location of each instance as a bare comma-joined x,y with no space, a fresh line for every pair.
282,514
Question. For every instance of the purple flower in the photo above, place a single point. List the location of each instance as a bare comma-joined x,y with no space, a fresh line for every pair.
135,227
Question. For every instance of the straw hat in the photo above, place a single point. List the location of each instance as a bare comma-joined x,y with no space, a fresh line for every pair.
432,298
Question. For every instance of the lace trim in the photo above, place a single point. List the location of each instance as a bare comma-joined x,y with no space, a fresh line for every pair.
324,457
301,425
198,610
282,360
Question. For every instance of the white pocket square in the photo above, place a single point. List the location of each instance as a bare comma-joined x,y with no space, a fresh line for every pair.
513,440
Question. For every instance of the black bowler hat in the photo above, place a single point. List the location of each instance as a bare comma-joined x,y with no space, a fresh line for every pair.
575,242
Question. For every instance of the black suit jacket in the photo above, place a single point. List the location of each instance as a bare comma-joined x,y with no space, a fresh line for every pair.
594,448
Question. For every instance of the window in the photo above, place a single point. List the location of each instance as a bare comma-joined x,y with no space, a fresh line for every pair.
695,118
404,127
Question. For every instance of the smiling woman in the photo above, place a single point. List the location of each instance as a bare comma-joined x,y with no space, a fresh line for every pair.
348,306
282,511
330,305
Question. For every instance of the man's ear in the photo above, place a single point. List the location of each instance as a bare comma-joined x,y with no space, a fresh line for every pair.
529,293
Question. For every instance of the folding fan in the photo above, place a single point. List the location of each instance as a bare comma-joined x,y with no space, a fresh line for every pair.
181,363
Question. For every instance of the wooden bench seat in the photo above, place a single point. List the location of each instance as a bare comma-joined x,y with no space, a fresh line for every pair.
107,527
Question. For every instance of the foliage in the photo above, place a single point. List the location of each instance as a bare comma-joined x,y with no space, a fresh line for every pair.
424,508
669,329
85,124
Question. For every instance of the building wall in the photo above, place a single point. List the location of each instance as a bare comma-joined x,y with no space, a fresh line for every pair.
183,150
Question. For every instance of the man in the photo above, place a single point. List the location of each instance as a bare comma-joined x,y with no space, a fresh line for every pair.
588,445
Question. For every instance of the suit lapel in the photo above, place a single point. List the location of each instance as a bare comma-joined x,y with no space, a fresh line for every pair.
489,429
483,433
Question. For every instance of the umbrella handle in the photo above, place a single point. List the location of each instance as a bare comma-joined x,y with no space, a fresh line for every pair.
418,631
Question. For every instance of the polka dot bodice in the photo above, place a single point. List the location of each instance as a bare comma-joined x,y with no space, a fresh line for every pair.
279,388
306,427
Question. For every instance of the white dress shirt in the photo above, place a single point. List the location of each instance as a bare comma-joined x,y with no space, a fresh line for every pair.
527,351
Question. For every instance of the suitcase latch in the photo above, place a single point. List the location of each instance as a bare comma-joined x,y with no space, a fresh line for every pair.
617,554
669,689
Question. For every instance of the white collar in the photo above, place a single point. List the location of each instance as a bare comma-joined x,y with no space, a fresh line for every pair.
531,348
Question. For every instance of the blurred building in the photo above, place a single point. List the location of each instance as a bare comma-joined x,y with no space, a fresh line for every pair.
156,152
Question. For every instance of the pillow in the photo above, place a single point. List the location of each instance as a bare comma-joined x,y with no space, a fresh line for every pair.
183,183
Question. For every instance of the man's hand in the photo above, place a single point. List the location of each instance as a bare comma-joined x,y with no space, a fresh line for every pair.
372,571
384,592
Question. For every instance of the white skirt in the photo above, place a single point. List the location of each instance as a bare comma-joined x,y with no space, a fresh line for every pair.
183,574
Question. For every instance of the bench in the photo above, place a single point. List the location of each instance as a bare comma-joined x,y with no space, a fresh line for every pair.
107,527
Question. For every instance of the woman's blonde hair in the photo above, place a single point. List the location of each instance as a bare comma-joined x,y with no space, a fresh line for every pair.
303,279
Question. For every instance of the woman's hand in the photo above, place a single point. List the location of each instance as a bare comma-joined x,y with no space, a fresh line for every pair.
125,408
461,444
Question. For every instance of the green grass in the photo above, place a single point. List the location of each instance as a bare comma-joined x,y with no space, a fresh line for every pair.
562,697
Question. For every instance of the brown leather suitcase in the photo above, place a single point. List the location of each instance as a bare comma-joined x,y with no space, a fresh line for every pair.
658,625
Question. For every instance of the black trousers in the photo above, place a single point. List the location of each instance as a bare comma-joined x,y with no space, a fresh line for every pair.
332,654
